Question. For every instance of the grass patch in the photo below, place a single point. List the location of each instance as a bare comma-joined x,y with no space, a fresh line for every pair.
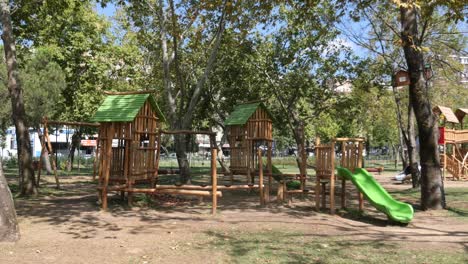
293,247
456,199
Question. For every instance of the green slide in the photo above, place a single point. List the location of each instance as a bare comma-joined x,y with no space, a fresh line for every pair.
378,196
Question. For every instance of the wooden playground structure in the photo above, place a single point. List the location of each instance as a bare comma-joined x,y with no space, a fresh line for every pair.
127,142
351,158
249,128
454,142
129,145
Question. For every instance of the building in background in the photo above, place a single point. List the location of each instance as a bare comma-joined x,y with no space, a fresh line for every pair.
60,139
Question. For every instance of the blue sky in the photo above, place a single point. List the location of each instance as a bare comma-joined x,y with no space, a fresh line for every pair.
110,9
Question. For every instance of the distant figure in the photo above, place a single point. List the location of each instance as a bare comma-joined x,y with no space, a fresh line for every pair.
402,175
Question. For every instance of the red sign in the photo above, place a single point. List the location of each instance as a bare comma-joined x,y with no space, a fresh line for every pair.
88,142
441,135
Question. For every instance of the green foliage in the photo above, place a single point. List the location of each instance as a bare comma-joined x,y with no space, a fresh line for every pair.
43,82
293,185
81,43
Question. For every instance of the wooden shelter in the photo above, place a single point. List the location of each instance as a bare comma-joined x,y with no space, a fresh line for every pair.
351,158
454,154
128,142
248,127
460,113
446,115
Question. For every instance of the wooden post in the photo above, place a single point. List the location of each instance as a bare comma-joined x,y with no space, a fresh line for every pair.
303,168
332,179
361,201
343,162
260,176
318,156
158,157
360,152
249,150
39,165
96,156
269,169
324,195
214,181
54,164
343,193
361,197
107,167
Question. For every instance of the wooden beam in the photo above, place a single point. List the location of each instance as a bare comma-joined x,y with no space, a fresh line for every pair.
214,181
208,187
70,123
260,178
350,139
174,191
332,179
174,132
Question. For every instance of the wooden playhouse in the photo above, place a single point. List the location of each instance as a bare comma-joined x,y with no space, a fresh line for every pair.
453,141
249,127
128,142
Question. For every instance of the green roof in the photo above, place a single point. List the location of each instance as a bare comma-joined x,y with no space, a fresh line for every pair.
124,108
242,113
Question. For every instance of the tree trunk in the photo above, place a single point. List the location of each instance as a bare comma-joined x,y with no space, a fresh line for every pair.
45,154
76,138
412,150
431,180
181,152
220,158
9,230
301,158
183,118
404,134
26,171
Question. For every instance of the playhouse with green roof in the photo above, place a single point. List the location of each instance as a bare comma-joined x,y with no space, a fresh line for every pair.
128,142
249,127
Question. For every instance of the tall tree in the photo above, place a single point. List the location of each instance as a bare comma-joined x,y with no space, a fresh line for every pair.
26,171
438,40
412,38
9,230
305,64
188,37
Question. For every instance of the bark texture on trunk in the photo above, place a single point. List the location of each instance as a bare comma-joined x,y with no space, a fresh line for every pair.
181,152
181,112
412,149
431,180
76,138
9,230
221,161
26,171
45,154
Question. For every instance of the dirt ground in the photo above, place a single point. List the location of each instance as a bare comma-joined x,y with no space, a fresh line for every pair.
68,227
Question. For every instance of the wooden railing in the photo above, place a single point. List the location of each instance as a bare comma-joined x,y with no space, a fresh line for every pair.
456,136
457,168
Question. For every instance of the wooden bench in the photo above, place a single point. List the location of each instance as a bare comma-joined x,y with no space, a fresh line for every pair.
377,169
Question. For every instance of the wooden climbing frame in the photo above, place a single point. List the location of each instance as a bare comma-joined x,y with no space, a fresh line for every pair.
351,158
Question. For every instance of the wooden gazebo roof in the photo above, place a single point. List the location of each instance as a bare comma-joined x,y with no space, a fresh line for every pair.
243,112
460,113
447,113
124,108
